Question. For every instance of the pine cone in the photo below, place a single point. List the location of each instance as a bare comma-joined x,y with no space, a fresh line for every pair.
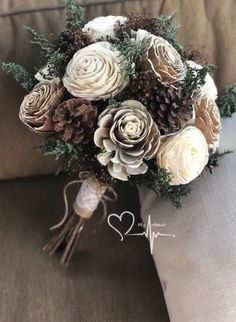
171,110
75,120
143,87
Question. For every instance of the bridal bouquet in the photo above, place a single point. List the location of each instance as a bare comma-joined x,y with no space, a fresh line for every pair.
119,99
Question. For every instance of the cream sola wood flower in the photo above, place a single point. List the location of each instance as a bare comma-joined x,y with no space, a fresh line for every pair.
95,72
101,28
126,136
162,58
184,155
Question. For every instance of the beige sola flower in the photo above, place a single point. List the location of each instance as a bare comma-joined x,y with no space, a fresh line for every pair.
184,155
38,105
95,72
208,121
127,136
162,58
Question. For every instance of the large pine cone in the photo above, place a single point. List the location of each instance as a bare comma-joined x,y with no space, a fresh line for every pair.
75,120
171,110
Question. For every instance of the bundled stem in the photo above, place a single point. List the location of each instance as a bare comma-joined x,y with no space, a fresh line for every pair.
69,235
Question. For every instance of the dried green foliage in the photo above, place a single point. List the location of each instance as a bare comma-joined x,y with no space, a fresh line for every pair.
56,147
54,53
162,26
158,180
195,77
46,47
20,75
75,15
167,30
130,50
76,158
227,101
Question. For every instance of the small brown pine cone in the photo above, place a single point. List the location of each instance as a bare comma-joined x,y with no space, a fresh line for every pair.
74,120
171,110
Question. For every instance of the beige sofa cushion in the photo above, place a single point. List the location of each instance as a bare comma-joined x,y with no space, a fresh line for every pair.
197,267
206,24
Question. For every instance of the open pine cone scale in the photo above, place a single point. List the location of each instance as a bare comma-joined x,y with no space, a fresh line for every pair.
74,120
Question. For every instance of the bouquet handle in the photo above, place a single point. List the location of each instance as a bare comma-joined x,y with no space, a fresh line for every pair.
89,196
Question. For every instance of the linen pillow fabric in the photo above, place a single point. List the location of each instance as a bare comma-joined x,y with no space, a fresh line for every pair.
197,268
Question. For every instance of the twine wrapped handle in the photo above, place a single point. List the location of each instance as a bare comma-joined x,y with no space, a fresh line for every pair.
70,227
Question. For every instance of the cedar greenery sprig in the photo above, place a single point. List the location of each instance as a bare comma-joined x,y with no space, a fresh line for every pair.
227,101
58,148
162,26
158,180
76,158
46,47
167,30
195,78
49,56
20,74
75,15
130,50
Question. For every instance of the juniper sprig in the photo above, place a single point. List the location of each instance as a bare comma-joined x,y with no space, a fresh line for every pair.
20,74
158,180
195,78
227,101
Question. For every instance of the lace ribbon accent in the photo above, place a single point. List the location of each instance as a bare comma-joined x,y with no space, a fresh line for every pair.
89,196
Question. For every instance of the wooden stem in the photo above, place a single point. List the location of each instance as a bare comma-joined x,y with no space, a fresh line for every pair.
69,235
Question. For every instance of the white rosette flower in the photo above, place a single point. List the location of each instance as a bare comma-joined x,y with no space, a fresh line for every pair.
162,58
209,89
184,155
95,72
126,136
102,28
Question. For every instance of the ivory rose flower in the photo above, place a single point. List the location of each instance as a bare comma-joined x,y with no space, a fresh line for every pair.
95,72
184,155
162,58
209,89
127,136
102,27
37,106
